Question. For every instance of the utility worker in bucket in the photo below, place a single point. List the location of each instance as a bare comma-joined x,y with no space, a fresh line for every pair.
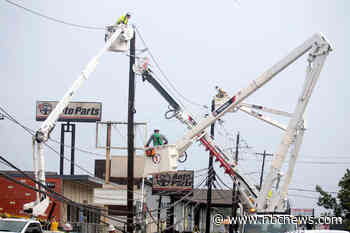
157,139
124,19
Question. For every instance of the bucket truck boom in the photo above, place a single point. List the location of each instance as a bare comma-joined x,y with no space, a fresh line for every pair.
119,37
318,49
247,189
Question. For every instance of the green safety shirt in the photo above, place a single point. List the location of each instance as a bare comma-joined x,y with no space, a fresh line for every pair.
123,19
157,139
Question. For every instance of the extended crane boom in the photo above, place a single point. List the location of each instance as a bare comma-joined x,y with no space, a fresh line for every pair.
318,48
247,189
38,207
317,42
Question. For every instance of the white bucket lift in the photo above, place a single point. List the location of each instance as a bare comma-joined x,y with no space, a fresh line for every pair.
160,159
121,44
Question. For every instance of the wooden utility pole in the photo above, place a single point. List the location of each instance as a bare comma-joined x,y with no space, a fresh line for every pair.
131,146
235,191
210,176
263,166
159,206
108,153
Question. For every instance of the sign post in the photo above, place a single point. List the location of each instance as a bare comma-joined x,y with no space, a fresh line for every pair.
74,112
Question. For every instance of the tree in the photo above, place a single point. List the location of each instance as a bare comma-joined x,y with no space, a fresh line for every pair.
340,205
329,202
344,197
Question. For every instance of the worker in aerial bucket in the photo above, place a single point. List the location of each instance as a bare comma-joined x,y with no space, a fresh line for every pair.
157,139
123,19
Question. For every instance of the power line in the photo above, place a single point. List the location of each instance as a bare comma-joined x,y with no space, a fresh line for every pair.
10,165
186,204
187,195
77,148
30,131
308,190
165,76
303,196
323,163
11,118
50,147
51,192
54,19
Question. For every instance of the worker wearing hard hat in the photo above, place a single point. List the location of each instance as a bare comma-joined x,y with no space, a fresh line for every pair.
157,139
111,229
124,19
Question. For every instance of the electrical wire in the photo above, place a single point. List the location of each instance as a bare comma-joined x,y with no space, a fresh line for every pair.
59,198
163,73
31,132
11,118
54,19
65,158
222,182
77,148
186,204
102,28
308,190
181,219
184,197
178,192
302,196
169,193
191,200
42,185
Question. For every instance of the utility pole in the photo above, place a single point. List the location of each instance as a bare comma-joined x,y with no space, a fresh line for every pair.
131,146
235,191
159,206
108,160
108,153
72,149
262,167
172,214
62,150
210,175
67,128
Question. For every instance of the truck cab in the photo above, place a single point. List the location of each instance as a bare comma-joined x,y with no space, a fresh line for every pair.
20,225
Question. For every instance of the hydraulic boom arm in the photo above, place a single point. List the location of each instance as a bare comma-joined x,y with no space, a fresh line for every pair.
39,206
318,49
317,42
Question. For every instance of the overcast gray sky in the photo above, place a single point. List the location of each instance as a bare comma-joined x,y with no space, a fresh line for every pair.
198,44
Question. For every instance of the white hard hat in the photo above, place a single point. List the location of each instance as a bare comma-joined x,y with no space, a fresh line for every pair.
111,228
